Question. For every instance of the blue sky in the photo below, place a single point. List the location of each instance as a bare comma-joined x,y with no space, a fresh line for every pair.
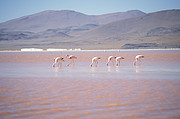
11,9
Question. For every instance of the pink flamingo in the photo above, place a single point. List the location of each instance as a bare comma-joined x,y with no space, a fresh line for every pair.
58,61
72,58
118,59
110,59
95,60
138,58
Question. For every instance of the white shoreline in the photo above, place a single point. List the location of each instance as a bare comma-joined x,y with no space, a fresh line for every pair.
88,50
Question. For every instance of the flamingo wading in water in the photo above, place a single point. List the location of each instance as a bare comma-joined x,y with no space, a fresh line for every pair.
58,61
72,58
95,60
118,59
138,58
110,59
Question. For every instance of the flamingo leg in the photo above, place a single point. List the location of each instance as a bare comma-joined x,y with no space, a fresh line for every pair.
69,63
113,63
117,63
135,61
73,62
96,63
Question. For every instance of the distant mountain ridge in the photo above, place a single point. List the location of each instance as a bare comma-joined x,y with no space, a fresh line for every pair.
60,19
162,28
130,30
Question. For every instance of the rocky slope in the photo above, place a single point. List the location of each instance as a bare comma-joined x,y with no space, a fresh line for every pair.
70,29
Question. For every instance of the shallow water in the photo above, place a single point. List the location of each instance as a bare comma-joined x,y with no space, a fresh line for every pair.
31,88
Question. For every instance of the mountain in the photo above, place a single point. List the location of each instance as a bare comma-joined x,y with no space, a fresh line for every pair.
47,20
61,19
108,18
153,30
131,29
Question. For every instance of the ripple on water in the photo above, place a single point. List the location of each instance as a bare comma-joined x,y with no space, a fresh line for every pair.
36,90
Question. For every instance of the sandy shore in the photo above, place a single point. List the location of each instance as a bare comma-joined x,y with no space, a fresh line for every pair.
31,88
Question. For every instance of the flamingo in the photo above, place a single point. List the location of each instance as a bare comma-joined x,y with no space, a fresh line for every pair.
138,57
95,60
118,59
58,61
71,57
110,59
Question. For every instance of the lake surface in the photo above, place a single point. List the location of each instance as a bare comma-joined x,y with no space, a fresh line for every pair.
31,88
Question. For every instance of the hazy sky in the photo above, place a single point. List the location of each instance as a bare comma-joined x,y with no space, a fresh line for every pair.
10,9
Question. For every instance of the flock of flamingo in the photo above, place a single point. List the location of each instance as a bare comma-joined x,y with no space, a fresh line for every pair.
59,60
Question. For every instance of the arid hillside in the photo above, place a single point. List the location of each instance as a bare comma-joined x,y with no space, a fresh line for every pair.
70,29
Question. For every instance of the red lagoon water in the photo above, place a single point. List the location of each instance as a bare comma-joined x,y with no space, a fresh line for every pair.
31,88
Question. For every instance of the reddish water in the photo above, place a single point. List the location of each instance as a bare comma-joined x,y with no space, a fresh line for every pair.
31,88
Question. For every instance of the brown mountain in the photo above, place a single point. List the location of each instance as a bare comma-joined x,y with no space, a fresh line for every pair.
154,30
61,19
